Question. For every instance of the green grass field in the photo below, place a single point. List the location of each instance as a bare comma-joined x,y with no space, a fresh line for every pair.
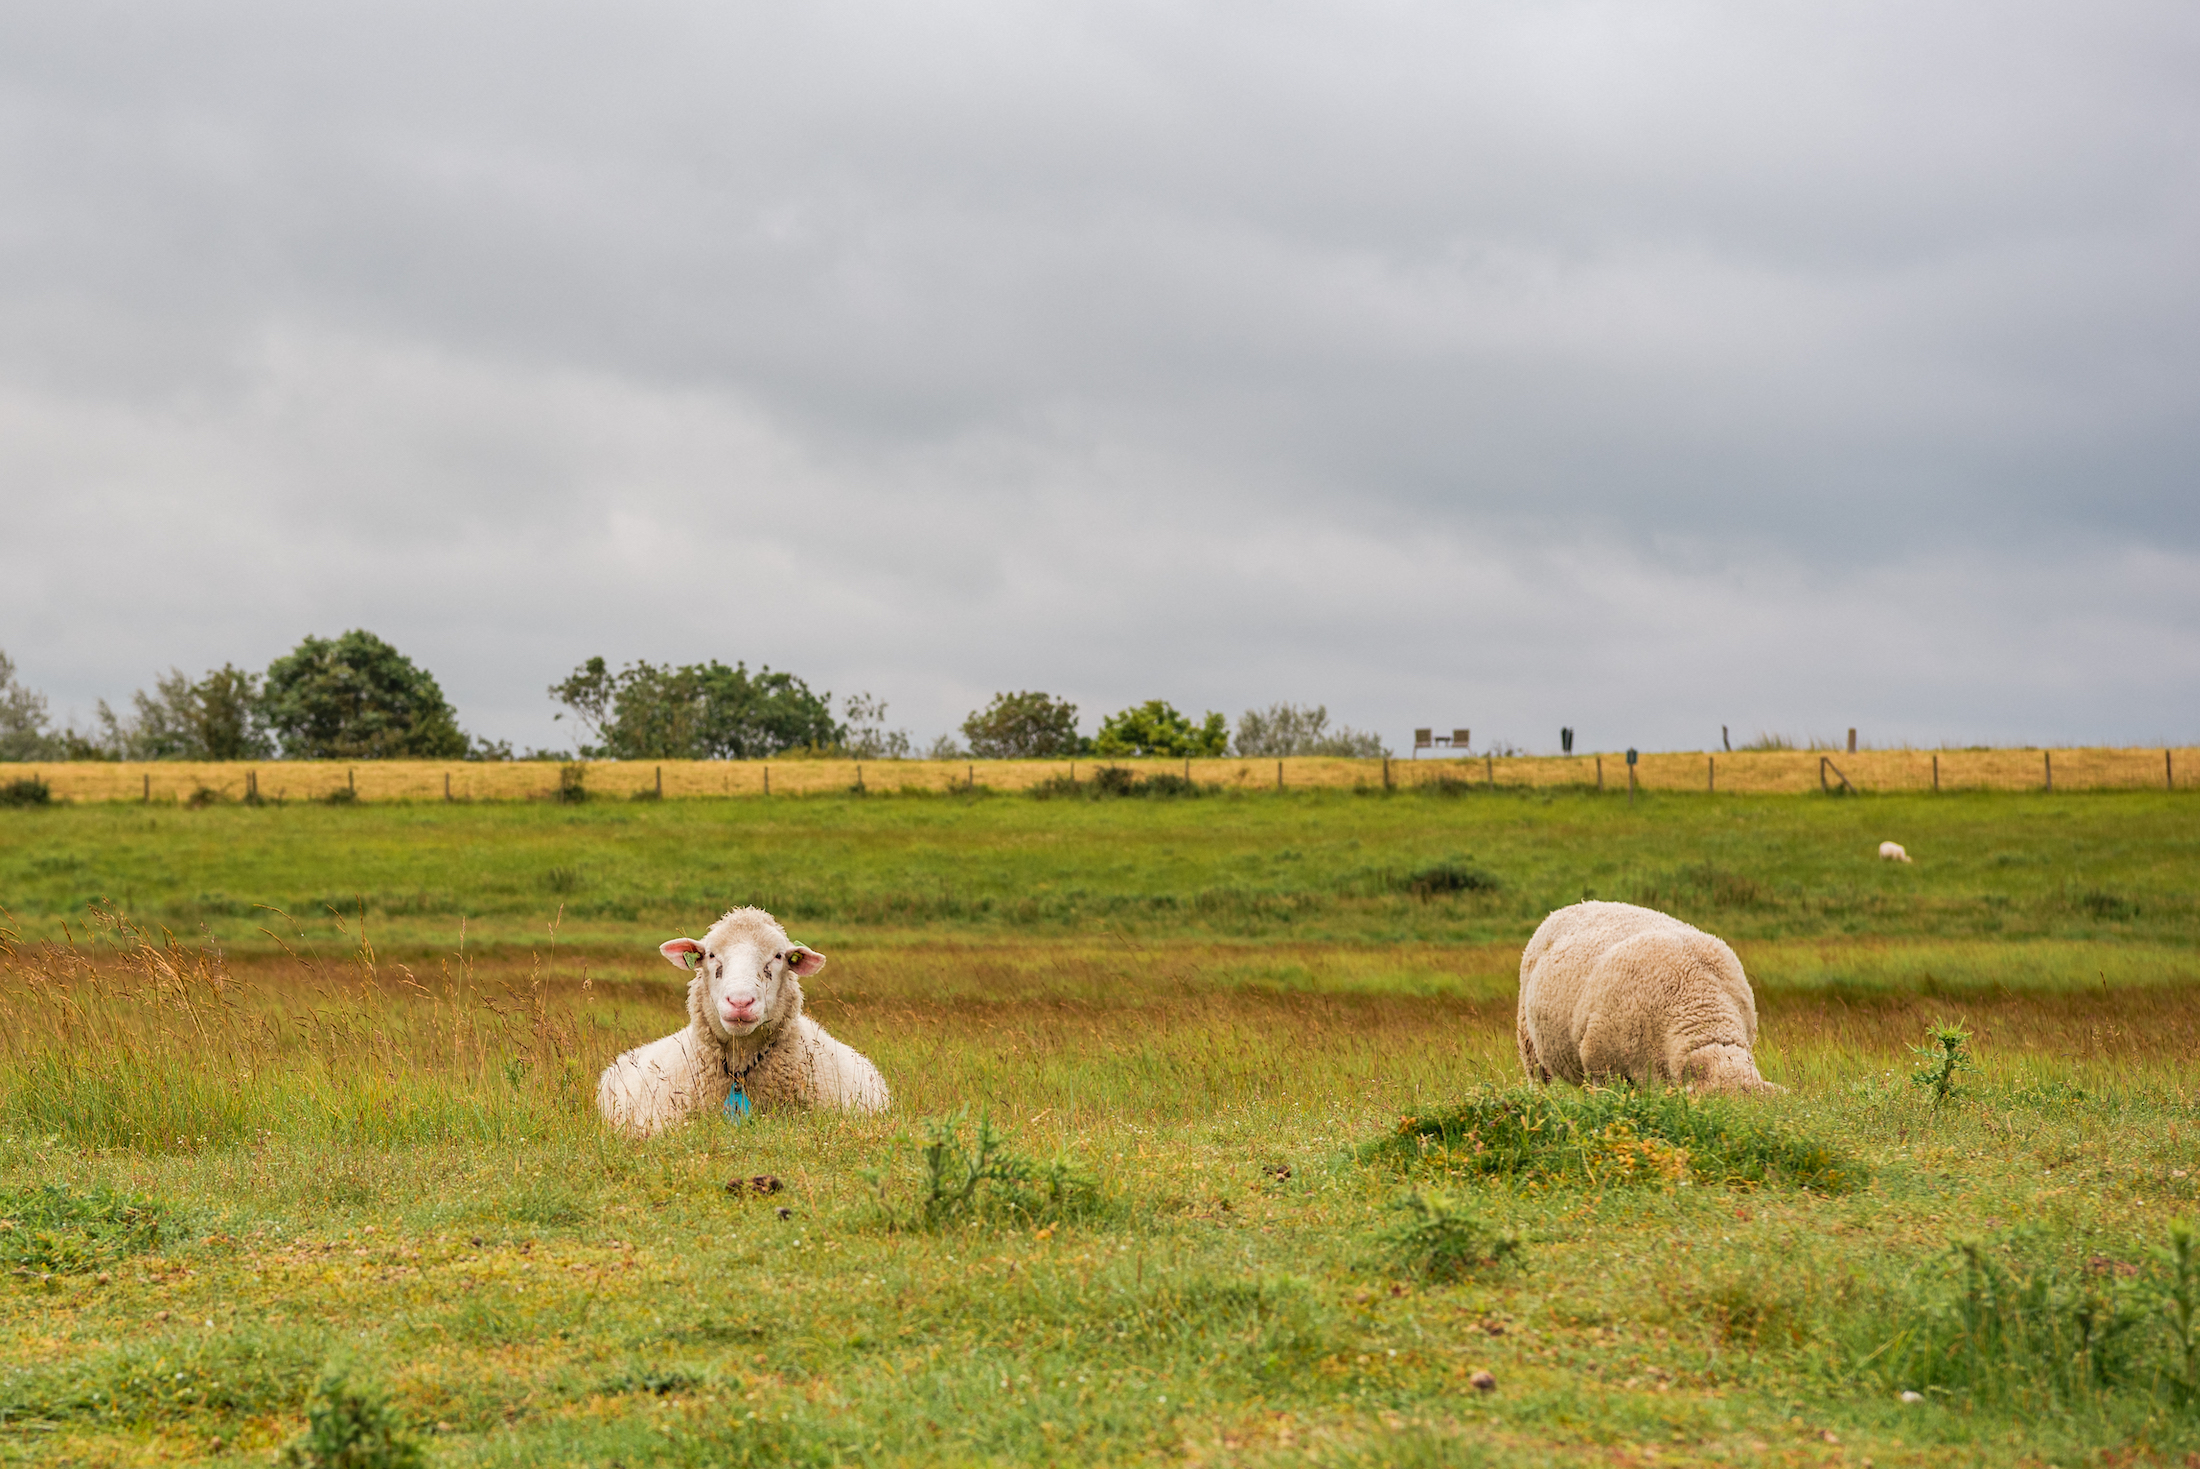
290,1146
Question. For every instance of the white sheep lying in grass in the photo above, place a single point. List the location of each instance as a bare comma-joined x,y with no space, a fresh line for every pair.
1892,852
747,1041
1609,990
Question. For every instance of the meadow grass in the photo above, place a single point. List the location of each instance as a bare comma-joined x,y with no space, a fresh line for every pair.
230,1169
1328,866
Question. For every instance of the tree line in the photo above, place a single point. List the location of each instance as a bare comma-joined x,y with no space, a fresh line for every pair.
355,697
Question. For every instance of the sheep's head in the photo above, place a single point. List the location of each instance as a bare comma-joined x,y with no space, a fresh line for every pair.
746,969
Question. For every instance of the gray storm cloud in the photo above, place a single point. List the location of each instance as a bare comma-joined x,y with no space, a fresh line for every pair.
1640,368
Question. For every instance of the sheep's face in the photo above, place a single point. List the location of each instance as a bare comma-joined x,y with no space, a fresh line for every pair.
743,977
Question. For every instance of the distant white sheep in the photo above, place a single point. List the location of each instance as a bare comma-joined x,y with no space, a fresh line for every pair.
1892,852
747,1042
1610,990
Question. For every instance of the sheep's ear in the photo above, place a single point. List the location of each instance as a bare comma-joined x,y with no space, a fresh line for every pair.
804,960
681,953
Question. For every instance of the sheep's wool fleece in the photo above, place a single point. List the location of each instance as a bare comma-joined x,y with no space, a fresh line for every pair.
1610,990
789,1060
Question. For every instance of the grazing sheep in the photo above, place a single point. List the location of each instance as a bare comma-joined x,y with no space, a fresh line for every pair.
1612,990
1892,852
746,1042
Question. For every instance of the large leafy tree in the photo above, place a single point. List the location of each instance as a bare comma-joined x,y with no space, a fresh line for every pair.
1024,726
357,698
696,711
217,718
1156,728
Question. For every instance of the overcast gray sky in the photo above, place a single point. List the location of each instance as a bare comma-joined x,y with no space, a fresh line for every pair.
1644,367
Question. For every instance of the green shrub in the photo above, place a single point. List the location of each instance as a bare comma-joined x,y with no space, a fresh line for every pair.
29,791
1453,875
572,783
1440,1239
1156,727
1112,781
1606,1138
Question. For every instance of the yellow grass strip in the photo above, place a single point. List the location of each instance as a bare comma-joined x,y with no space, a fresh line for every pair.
1750,772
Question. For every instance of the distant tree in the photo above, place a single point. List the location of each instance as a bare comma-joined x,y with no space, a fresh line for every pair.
357,698
217,718
24,733
1156,728
1293,729
696,711
1028,726
868,738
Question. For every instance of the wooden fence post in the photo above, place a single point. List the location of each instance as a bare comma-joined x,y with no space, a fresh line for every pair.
446,785
1852,740
767,780
1822,788
2049,755
149,786
1492,759
660,782
1711,775
1279,776
2169,773
1386,772
1600,775
1936,775
351,779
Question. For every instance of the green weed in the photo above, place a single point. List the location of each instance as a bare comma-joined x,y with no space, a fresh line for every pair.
1947,1058
1441,1239
983,1180
350,1427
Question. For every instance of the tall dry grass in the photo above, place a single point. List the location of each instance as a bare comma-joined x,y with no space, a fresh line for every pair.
124,1038
1740,772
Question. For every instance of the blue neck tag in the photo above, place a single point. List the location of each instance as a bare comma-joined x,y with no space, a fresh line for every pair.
737,1105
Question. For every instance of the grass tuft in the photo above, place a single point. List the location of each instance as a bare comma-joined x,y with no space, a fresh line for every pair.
51,1230
351,1428
1453,875
1604,1138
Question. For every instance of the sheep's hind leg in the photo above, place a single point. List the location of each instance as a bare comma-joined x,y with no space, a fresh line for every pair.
1530,1061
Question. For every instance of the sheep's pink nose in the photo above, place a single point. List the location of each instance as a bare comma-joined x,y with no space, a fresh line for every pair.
741,1009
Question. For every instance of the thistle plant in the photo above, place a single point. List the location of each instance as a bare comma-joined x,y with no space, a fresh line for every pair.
1948,1057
